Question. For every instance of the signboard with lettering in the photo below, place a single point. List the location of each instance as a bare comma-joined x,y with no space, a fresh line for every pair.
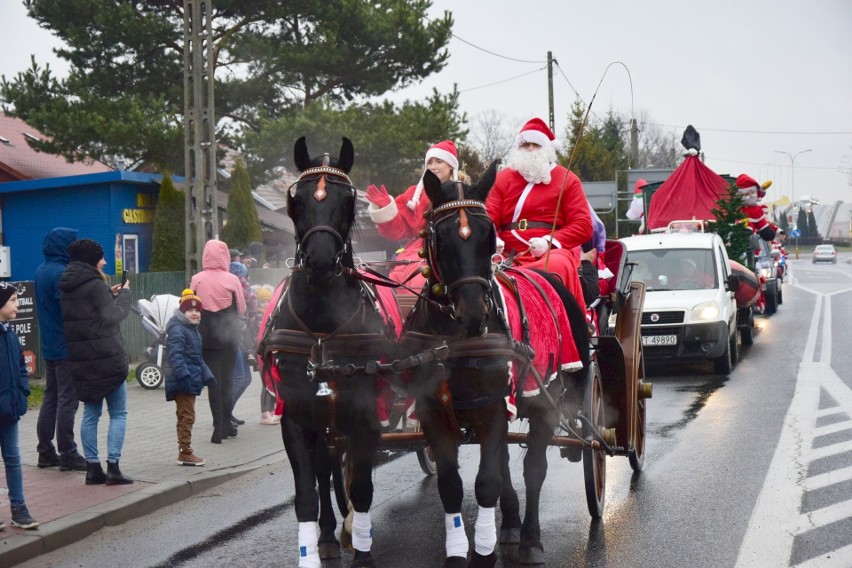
26,324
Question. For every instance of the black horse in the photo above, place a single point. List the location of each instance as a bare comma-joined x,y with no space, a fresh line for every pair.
464,399
325,316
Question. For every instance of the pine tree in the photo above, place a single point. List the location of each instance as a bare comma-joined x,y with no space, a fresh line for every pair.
731,225
802,221
813,231
243,225
168,252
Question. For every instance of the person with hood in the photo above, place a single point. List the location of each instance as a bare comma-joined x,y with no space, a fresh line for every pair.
242,372
186,373
91,314
59,406
221,328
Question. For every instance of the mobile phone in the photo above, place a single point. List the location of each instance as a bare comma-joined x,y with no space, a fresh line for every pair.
123,278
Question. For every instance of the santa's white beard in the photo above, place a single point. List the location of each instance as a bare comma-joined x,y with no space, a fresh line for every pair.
533,165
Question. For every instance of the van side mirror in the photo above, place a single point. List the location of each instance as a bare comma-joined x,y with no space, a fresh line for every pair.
732,283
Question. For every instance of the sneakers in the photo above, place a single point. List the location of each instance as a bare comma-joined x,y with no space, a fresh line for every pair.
21,518
268,418
189,459
48,460
73,462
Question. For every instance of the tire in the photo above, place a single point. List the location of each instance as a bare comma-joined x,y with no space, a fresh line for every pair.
594,461
722,365
636,455
747,330
149,376
771,297
734,349
427,461
780,293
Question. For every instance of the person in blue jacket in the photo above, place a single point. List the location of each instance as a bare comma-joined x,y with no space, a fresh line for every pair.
186,372
60,403
14,392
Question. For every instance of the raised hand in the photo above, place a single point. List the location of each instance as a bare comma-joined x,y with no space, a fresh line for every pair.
378,196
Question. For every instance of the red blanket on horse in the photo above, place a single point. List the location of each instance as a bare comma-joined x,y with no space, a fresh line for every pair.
550,331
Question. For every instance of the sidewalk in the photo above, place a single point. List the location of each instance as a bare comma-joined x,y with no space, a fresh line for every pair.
69,510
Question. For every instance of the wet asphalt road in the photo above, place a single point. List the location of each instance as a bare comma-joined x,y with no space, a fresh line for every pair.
711,451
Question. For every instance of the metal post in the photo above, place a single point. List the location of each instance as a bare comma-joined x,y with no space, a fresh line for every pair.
551,111
202,214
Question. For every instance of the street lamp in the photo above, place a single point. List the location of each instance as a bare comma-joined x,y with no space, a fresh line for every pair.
793,169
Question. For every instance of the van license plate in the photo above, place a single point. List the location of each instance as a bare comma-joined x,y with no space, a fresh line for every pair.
659,340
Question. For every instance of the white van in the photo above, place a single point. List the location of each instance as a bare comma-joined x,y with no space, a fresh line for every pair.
689,312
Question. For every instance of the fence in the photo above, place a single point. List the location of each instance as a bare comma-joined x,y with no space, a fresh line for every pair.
148,284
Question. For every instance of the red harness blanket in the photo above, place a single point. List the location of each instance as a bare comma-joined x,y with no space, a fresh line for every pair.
550,331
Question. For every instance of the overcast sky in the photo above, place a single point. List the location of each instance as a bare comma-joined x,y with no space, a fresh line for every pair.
753,76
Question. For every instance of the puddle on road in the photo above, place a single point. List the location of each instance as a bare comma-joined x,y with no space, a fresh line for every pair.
702,394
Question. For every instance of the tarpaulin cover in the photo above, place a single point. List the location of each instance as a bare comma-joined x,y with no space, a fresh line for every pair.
692,191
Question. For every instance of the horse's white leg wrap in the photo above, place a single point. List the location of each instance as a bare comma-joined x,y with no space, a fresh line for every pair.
362,531
457,544
485,532
308,551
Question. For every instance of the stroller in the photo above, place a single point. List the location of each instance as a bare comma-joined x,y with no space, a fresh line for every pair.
155,314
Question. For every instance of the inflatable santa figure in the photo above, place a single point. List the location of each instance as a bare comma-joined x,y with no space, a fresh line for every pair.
751,192
637,206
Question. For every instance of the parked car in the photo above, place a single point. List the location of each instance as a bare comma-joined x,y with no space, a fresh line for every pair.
824,253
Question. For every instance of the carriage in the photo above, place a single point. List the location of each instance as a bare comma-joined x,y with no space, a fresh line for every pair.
619,385
454,354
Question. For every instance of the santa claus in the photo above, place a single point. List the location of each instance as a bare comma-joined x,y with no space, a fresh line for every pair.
539,207
751,193
636,211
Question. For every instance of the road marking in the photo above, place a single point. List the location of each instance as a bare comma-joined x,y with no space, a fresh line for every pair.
779,533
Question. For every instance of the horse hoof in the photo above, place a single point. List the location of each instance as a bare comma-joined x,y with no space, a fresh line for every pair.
329,550
531,555
362,560
510,536
479,561
455,562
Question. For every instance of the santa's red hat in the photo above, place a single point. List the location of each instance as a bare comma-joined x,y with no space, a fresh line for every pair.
444,151
637,188
746,182
537,132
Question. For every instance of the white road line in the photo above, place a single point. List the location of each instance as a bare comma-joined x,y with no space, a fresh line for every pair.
776,518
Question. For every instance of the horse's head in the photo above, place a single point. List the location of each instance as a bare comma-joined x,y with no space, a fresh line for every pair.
460,241
322,207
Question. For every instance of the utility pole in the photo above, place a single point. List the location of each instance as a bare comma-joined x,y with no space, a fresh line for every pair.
199,132
551,114
634,143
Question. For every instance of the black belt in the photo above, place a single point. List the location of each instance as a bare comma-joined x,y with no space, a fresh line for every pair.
523,225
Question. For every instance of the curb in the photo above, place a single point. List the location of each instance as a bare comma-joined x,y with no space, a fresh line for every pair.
19,548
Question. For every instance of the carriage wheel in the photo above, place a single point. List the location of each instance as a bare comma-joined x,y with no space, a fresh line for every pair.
594,461
426,457
636,456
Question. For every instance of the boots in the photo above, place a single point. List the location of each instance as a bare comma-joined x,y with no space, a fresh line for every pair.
94,474
114,475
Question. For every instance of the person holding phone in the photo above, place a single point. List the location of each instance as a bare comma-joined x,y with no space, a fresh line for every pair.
92,312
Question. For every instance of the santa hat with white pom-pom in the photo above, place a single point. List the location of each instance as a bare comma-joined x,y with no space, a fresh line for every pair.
535,131
444,151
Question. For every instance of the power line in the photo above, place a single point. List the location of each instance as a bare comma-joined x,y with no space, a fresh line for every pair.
828,133
489,52
503,81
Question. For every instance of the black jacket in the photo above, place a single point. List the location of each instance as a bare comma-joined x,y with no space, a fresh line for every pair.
91,318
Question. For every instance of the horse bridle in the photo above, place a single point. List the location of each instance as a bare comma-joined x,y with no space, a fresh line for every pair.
328,174
438,215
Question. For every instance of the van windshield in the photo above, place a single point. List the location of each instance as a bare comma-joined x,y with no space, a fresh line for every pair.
674,269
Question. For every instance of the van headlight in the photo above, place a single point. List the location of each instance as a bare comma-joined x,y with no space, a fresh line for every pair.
765,272
706,311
